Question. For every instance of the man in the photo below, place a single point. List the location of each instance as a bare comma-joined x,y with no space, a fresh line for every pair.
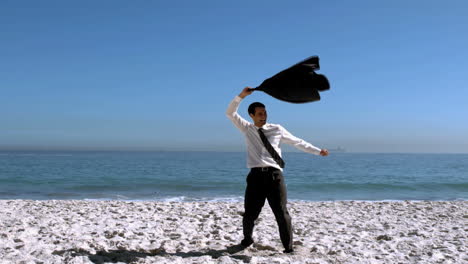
265,180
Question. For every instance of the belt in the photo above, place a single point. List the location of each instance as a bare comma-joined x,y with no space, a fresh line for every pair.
264,169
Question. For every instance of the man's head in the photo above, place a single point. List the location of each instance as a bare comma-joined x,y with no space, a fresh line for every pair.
258,113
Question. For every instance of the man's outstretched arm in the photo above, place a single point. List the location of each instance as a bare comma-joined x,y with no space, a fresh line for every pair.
301,144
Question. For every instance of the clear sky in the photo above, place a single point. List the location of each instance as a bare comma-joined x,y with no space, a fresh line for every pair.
158,75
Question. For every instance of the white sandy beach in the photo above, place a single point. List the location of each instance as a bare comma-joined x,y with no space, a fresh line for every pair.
203,232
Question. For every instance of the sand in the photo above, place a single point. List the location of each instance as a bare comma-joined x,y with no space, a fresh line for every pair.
209,232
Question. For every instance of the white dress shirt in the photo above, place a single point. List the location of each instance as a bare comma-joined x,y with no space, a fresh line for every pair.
257,154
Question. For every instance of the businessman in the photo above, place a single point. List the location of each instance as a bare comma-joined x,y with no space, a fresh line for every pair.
265,180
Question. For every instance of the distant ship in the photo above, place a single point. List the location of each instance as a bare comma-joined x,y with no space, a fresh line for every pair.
338,149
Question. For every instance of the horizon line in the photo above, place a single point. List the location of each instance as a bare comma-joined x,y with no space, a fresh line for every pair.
197,150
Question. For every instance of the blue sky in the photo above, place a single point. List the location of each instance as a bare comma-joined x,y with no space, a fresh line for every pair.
158,75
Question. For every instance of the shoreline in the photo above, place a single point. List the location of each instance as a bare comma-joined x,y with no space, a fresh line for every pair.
83,231
239,199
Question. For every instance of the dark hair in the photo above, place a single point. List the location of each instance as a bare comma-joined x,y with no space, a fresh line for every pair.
252,107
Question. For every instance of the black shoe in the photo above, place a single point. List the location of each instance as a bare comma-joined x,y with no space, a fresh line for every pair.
246,242
290,250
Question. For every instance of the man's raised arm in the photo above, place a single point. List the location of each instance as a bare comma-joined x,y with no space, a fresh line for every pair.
231,111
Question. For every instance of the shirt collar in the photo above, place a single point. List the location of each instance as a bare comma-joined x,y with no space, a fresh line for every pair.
265,126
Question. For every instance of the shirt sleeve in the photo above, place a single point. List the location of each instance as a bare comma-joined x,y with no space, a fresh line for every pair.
236,119
298,143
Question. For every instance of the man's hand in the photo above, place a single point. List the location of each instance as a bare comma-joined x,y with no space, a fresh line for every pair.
324,152
247,91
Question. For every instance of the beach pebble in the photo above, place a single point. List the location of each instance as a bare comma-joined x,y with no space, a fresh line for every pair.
384,237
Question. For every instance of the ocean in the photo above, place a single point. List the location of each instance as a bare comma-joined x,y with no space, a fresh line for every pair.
220,176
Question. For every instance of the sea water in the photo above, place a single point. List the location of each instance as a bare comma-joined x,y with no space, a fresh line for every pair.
220,176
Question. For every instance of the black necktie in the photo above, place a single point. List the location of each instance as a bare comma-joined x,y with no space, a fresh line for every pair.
270,149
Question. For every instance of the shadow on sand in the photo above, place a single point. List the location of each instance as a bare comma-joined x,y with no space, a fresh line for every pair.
130,256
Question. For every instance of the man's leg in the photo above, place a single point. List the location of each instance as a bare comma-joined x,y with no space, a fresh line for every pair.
253,203
277,198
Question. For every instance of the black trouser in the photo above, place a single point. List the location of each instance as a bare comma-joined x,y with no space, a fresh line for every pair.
267,184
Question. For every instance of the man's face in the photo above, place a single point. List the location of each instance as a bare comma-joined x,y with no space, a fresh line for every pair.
260,116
